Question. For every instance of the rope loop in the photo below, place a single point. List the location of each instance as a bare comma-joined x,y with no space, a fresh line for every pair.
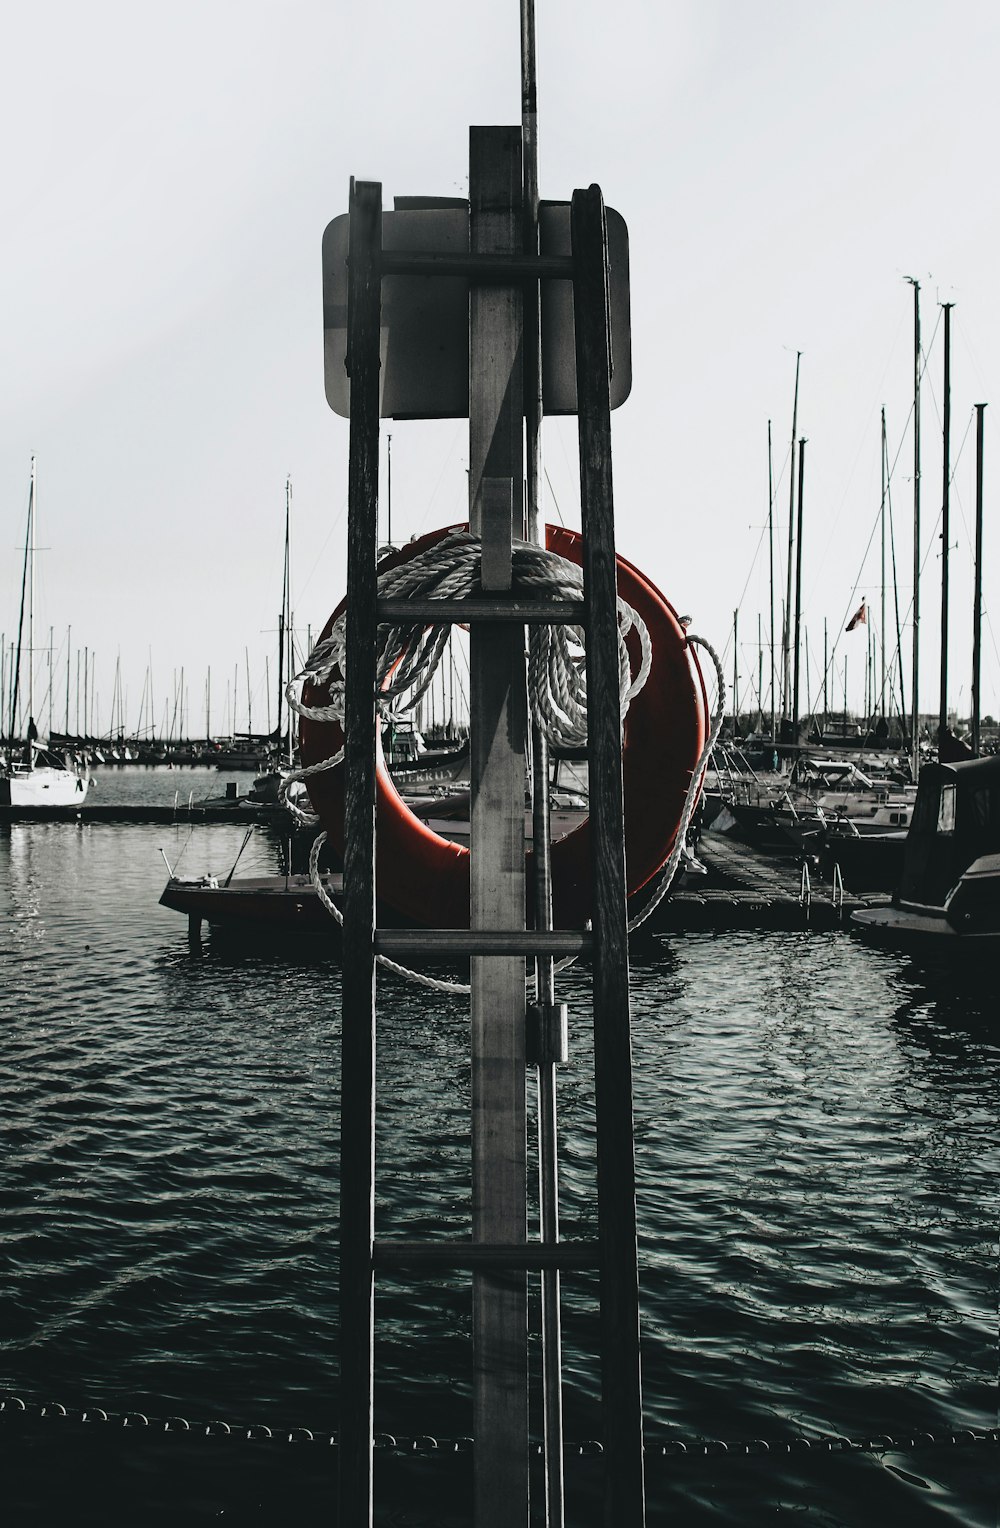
407,657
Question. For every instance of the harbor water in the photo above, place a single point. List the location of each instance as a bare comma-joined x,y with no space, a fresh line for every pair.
816,1150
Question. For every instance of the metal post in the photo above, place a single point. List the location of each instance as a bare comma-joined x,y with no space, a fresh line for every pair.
548,1161
497,762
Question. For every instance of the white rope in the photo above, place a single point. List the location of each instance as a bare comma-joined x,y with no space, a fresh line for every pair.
407,658
416,976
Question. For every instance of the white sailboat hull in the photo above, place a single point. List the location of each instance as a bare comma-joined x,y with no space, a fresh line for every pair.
44,785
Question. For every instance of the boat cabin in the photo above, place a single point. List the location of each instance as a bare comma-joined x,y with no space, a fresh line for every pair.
956,820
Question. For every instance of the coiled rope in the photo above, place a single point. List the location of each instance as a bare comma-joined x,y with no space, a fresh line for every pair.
407,658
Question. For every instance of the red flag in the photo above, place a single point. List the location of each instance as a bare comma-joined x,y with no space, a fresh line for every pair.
859,618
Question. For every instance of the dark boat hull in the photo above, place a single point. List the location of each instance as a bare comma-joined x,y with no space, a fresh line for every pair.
282,904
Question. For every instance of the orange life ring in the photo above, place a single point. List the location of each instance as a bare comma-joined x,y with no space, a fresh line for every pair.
426,877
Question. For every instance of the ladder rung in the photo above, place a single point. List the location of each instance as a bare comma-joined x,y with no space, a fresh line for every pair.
404,612
490,268
485,1255
411,942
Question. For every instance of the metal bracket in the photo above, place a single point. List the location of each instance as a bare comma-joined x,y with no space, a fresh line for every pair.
547,1034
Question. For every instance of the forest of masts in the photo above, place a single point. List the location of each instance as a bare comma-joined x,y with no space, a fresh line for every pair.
783,694
69,704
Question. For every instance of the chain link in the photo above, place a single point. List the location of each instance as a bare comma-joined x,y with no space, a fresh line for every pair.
12,1407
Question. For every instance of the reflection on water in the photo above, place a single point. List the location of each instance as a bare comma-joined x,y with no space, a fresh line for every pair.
816,1128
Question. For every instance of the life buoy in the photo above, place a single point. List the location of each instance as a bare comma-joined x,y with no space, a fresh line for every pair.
426,877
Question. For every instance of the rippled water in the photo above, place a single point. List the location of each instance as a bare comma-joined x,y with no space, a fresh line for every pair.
816,1150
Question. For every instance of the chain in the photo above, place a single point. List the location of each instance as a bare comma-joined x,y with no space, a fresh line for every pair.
12,1407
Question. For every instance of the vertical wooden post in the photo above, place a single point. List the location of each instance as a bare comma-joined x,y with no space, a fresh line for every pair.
357,1106
624,1502
498,718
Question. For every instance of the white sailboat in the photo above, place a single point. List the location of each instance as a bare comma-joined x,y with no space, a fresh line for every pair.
32,775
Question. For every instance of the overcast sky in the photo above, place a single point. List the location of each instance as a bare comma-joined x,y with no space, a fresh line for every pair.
166,178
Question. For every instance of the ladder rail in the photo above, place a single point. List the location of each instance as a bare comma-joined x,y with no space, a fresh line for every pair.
624,1501
499,1254
357,1139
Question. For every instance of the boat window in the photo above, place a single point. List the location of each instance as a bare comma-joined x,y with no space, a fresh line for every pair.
946,810
980,803
926,808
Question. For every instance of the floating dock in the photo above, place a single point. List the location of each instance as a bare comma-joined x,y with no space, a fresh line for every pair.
239,812
747,890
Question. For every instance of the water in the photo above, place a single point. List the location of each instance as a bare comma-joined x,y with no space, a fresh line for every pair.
816,1148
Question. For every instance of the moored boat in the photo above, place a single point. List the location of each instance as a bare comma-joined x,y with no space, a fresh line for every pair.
280,903
41,778
950,883
30,774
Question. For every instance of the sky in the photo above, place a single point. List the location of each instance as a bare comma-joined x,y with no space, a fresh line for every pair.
782,168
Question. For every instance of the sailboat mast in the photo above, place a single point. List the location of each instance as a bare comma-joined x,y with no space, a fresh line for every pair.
770,549
883,628
786,633
798,593
287,605
283,617
32,510
15,661
915,680
977,598
945,525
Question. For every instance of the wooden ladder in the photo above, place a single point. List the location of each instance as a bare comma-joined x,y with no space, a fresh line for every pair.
498,1253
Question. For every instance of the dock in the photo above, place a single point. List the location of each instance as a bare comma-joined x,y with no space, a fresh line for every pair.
239,812
745,889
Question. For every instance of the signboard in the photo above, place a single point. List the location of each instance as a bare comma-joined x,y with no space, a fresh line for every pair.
425,319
